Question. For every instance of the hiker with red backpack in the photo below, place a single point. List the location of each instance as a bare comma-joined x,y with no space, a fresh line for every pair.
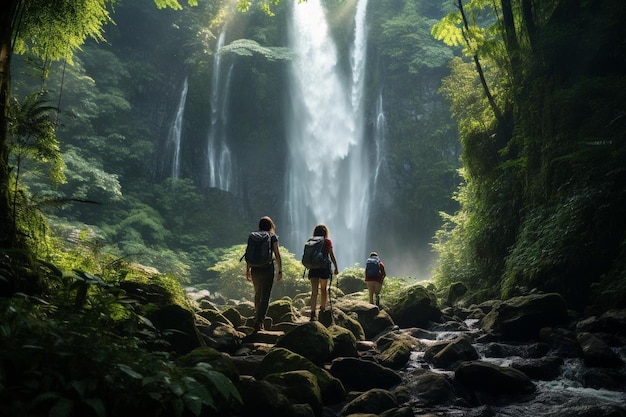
374,276
260,253
318,256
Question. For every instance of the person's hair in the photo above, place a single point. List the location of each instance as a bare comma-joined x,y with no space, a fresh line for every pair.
267,225
373,254
320,230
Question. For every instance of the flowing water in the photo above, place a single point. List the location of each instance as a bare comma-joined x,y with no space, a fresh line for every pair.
220,163
328,175
175,133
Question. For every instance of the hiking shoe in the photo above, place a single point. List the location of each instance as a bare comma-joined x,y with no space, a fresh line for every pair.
377,300
313,318
258,326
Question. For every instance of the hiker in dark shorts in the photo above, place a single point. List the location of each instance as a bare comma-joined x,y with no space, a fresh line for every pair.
262,278
319,276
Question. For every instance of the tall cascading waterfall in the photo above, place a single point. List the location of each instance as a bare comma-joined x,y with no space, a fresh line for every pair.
175,133
327,174
219,158
380,131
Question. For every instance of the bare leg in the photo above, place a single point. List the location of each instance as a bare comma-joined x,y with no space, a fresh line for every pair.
315,282
324,293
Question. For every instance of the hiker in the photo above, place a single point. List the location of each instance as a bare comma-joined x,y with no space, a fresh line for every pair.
261,272
319,276
374,276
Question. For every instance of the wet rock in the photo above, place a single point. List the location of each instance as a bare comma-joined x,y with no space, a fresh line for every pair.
521,318
453,353
374,401
430,388
599,378
361,375
493,379
544,369
222,337
395,349
562,342
598,353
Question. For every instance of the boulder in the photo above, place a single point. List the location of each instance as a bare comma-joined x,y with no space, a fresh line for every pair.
283,360
415,307
311,340
521,318
214,316
234,316
430,388
374,401
448,355
300,387
344,342
349,322
485,377
261,395
545,369
596,353
360,374
395,350
177,327
219,361
281,311
222,337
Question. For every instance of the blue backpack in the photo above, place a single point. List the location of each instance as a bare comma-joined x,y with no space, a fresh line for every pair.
313,256
372,267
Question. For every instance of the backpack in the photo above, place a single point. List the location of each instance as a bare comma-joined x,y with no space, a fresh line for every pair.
372,267
313,256
259,249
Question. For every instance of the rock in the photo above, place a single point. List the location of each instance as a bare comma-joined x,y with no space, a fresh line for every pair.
344,342
219,361
544,369
455,352
361,375
261,395
351,284
415,307
283,360
234,316
493,379
177,327
246,365
222,337
521,318
395,350
214,316
300,387
430,388
455,291
562,342
351,323
597,353
398,412
311,340
610,322
374,401
281,311
599,378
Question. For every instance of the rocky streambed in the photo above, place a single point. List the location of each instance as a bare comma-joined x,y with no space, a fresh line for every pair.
527,356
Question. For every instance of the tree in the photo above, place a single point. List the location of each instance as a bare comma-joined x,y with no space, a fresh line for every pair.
52,30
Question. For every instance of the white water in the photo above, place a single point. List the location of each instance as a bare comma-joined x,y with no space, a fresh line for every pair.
328,173
175,133
219,158
379,137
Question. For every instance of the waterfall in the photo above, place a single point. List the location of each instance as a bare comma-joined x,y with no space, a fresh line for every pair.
219,158
174,136
380,130
327,174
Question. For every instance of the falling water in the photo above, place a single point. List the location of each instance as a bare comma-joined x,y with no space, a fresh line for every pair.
174,136
219,158
380,129
327,173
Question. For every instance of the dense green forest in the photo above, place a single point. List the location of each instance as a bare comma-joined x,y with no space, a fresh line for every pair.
505,154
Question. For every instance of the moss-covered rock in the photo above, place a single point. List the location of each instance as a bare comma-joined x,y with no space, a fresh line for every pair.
311,340
414,307
219,361
300,387
283,360
344,342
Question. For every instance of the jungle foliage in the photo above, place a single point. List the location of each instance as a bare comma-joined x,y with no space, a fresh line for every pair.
543,149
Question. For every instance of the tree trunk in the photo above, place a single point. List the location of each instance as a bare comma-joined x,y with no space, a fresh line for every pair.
7,16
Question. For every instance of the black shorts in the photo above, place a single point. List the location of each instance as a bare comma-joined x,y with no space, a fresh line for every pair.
321,273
